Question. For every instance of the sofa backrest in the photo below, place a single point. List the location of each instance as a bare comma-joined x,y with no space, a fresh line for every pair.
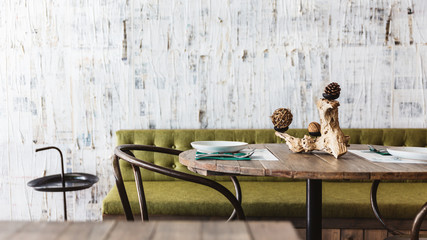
181,139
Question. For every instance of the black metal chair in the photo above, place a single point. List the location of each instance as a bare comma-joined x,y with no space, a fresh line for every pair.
124,152
416,225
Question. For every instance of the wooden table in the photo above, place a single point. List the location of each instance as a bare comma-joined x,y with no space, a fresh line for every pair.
110,230
314,167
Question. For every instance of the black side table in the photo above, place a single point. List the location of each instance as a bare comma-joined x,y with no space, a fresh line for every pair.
62,182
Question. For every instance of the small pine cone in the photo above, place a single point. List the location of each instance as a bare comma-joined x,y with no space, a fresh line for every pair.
281,118
332,91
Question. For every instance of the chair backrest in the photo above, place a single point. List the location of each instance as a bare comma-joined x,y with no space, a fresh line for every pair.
126,153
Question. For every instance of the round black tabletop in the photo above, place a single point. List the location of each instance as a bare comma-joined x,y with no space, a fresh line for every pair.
73,182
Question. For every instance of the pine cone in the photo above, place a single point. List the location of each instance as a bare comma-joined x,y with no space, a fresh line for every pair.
332,91
281,119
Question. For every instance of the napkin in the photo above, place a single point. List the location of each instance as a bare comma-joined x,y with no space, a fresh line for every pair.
374,157
233,156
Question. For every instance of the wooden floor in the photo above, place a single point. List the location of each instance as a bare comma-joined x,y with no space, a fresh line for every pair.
353,234
165,230
177,229
357,229
333,229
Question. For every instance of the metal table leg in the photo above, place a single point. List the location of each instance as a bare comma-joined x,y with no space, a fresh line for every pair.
314,209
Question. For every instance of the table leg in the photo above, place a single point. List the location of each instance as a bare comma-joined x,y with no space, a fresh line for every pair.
65,206
314,209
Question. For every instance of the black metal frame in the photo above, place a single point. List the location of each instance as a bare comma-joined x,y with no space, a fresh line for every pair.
62,176
416,226
69,181
124,152
376,210
314,209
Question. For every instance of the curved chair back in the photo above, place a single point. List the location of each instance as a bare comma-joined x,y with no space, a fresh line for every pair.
124,152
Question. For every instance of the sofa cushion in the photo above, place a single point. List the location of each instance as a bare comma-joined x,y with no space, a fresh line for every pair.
272,199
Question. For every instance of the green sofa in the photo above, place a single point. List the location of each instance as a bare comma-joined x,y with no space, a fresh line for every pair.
263,197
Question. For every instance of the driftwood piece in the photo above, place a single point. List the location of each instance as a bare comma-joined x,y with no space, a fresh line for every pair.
332,140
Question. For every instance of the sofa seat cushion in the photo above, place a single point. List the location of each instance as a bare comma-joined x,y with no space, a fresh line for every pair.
272,199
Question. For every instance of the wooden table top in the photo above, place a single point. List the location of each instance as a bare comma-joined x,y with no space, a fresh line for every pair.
171,230
315,165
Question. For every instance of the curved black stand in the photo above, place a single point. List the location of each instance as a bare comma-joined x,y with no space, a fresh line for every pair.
63,182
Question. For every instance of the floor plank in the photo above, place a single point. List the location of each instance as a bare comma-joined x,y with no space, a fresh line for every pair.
88,230
40,231
331,234
272,230
9,228
188,230
351,234
302,233
225,231
132,230
375,234
403,232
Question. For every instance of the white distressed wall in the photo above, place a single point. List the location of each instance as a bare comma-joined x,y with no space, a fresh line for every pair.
67,79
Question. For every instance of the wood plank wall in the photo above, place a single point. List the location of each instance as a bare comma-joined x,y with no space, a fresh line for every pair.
74,72
353,234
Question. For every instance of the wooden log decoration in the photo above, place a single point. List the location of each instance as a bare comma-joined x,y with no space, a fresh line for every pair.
332,139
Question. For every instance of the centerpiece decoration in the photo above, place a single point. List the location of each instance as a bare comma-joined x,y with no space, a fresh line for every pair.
327,136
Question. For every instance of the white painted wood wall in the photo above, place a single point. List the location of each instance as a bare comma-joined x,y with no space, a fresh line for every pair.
73,72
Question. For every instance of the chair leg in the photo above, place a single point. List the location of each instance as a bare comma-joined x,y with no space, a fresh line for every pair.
376,210
415,231
121,189
212,184
141,193
238,196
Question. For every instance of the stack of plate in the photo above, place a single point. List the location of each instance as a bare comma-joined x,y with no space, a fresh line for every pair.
218,146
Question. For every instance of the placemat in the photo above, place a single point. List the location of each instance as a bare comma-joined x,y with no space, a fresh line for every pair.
375,157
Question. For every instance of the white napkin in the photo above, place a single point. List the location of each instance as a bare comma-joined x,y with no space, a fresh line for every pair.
375,157
261,154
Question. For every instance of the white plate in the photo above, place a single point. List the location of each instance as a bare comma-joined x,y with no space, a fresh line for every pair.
218,146
419,153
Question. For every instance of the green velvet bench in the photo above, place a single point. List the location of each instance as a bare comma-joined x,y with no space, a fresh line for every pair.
263,197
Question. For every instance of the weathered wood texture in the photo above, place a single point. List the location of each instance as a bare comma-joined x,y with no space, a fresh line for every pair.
315,165
74,72
332,140
352,234
331,228
171,230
